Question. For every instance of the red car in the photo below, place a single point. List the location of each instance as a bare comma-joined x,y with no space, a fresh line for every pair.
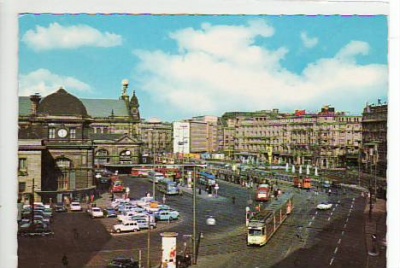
118,187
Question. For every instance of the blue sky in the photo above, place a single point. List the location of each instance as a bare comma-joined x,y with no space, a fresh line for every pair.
185,66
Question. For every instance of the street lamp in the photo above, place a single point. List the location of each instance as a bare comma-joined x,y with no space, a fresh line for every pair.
148,241
154,161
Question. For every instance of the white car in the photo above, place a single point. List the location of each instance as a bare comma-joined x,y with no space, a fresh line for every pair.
126,226
75,206
211,220
127,214
324,206
96,212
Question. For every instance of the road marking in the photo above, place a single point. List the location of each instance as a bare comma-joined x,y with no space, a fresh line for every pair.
309,223
329,218
354,199
316,212
345,225
333,209
347,220
342,232
331,260
340,241
336,249
313,218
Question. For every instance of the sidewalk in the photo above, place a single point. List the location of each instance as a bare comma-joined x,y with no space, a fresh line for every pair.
203,194
375,232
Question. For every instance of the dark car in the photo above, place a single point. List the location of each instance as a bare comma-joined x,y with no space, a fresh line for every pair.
60,207
37,228
123,262
110,213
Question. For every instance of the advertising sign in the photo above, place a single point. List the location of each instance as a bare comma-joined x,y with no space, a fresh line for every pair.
168,259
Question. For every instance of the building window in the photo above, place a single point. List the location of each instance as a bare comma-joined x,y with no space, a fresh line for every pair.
52,133
72,133
101,157
22,167
64,165
21,187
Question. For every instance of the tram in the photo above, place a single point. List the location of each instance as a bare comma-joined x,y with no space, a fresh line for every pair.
265,223
301,182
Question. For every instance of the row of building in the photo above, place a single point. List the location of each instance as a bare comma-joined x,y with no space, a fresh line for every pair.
64,140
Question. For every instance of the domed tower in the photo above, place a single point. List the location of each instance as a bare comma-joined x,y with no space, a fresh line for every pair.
133,105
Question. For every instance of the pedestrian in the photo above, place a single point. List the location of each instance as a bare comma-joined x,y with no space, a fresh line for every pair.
233,199
199,190
329,192
164,199
64,260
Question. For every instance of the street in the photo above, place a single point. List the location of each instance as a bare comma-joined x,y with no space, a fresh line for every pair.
308,238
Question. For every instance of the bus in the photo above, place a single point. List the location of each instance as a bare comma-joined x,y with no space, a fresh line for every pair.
301,182
170,172
207,178
265,223
263,193
168,187
140,172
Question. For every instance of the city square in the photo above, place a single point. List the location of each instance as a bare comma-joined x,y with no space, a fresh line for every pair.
208,141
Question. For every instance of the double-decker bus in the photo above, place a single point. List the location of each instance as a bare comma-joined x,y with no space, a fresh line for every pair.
301,182
263,193
168,187
265,223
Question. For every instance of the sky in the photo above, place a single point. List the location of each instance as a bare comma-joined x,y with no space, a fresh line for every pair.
184,66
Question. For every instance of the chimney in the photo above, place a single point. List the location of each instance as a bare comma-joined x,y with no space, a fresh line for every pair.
35,99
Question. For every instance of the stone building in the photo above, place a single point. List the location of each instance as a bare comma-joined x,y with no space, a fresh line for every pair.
326,139
374,139
63,140
157,140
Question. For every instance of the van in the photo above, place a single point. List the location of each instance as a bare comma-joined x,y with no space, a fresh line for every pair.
126,226
143,223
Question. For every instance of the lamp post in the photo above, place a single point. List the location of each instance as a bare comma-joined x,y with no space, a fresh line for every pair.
194,217
154,161
148,241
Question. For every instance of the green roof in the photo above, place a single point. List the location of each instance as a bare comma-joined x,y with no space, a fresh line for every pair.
24,106
105,107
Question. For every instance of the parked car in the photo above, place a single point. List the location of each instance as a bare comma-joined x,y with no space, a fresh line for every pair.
37,228
128,214
123,262
75,206
174,212
144,223
110,213
164,215
95,212
324,206
60,207
126,226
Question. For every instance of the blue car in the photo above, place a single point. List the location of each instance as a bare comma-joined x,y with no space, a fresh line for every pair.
110,213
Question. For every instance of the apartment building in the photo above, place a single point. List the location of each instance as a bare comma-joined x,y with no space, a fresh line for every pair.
325,139
156,138
374,138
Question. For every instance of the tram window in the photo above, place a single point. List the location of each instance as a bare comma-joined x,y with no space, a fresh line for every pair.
255,232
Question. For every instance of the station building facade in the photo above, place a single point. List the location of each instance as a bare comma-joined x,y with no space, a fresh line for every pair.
63,141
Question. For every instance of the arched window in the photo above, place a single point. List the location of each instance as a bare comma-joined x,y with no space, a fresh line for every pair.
101,157
65,176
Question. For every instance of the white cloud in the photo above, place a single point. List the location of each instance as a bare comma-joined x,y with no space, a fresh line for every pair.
44,82
56,36
220,69
308,42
